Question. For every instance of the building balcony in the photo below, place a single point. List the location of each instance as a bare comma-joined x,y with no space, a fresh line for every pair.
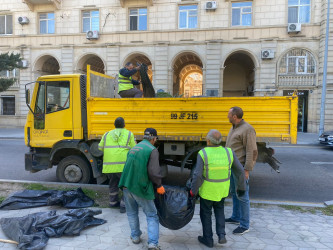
306,80
32,3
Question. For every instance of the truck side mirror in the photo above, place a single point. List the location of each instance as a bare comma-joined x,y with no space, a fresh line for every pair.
27,96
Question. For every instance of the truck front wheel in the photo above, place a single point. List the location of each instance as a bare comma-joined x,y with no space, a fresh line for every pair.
74,169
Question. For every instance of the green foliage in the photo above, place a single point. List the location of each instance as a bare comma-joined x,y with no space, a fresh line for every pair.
2,199
36,186
165,94
327,210
8,62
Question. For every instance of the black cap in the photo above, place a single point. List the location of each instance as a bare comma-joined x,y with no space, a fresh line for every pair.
151,132
119,122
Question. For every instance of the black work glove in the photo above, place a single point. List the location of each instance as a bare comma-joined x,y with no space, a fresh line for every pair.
240,193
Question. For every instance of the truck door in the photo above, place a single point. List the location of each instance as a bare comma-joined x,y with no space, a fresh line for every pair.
53,113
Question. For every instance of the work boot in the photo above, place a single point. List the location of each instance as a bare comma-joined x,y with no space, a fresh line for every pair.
153,247
122,209
231,221
136,240
114,205
222,239
240,230
208,243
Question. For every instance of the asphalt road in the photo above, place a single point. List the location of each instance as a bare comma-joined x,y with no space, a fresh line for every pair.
306,173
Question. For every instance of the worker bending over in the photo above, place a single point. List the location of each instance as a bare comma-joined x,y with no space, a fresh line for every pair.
126,84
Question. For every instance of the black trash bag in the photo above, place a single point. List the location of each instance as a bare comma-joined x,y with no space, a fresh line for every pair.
175,208
148,89
33,231
38,198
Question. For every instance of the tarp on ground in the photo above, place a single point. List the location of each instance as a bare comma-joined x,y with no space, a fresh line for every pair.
38,198
175,208
33,231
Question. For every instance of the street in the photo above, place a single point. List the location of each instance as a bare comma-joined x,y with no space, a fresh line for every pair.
306,172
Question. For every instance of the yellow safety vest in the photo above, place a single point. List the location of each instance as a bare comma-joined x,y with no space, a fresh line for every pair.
217,171
115,145
124,83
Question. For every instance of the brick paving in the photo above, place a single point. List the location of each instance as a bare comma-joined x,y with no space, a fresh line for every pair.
272,227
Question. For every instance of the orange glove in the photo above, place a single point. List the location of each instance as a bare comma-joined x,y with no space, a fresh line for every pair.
160,190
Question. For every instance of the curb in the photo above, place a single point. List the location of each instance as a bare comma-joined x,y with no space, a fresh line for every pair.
106,187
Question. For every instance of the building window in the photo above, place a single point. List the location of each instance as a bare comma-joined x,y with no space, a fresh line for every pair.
90,20
188,17
297,61
138,19
241,14
299,11
46,23
9,74
6,24
7,105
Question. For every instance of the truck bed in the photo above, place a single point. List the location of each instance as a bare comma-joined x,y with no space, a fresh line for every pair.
184,119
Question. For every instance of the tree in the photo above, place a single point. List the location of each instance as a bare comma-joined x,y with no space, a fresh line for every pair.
8,62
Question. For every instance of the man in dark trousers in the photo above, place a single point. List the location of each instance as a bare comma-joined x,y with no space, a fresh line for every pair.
141,173
242,140
126,84
115,145
211,178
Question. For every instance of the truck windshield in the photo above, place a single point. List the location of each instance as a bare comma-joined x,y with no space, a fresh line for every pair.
57,96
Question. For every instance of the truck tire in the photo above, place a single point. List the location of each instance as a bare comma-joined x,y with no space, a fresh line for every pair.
74,169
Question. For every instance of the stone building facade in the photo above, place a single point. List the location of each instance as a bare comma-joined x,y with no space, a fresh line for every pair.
239,48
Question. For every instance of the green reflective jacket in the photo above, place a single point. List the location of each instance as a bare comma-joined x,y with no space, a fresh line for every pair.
124,83
115,145
135,175
216,173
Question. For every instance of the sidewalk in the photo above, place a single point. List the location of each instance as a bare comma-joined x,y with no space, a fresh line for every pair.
302,138
271,228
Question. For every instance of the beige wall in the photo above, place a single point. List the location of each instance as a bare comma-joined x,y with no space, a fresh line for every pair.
213,42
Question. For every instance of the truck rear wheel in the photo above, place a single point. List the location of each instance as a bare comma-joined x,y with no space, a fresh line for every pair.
74,169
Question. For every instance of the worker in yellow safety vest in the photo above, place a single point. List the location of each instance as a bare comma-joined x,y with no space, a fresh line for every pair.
211,179
126,83
115,145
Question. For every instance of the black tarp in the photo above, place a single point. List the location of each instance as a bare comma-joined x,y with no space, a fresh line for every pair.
33,231
38,198
175,208
148,89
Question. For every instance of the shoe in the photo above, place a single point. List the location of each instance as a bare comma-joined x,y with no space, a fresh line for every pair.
114,205
231,221
204,241
122,210
136,240
222,239
153,247
240,230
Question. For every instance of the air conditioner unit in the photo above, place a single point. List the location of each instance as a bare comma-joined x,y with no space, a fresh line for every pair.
23,20
211,5
23,63
294,27
92,34
267,54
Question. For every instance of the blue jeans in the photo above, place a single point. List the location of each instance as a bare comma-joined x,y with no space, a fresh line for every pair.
241,205
132,203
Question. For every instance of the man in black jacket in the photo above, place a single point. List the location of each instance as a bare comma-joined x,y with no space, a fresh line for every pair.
126,84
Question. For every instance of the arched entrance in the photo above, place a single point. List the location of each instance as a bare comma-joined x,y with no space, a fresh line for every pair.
187,75
138,58
46,65
95,62
239,75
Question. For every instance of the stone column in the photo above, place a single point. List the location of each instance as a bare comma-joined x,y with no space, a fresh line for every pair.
221,81
212,74
67,59
161,67
112,59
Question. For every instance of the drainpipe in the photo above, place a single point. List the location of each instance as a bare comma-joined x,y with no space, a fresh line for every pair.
323,93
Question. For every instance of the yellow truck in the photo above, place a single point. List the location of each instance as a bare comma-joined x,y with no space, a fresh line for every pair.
68,115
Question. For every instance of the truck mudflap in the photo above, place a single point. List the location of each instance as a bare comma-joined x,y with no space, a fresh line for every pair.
35,162
265,155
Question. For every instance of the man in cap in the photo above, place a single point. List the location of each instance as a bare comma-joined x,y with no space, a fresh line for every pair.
211,178
141,173
115,145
